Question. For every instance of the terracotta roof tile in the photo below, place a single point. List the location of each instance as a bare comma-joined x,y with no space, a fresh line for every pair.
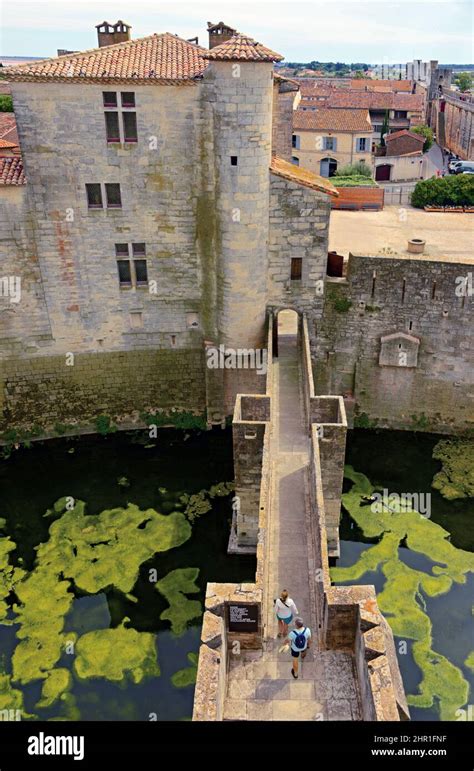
6,145
11,171
332,120
381,85
301,176
163,58
241,48
375,100
8,130
404,133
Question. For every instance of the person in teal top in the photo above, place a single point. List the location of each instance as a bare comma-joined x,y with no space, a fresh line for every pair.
299,640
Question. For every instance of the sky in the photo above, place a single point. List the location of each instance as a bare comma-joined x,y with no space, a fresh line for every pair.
372,31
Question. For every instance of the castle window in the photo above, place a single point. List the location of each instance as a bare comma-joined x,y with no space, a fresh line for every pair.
112,193
295,141
295,161
110,98
361,145
130,126
125,275
94,196
296,266
120,125
329,143
112,126
128,99
233,160
131,264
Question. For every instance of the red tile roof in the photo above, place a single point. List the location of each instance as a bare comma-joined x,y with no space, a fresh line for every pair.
8,130
241,48
11,171
375,100
404,133
332,120
301,176
378,85
163,58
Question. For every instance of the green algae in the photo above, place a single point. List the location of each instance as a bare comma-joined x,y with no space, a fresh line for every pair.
43,602
9,576
117,653
56,684
200,503
469,663
174,586
456,478
401,600
90,553
107,550
187,676
11,700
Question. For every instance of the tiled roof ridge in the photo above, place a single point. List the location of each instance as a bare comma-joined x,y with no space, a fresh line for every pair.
173,60
89,51
403,133
11,170
229,50
301,176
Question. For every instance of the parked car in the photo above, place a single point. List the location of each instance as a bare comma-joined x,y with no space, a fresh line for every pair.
452,165
467,171
464,166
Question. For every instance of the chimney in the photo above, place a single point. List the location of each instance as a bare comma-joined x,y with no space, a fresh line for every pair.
219,33
108,34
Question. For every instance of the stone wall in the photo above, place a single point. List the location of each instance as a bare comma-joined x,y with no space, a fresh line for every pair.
382,296
44,390
299,224
62,135
282,125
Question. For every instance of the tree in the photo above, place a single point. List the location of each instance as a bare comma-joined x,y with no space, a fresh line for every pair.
426,132
464,81
384,129
6,103
359,75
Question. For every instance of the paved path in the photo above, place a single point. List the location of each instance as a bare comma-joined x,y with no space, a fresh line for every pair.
260,684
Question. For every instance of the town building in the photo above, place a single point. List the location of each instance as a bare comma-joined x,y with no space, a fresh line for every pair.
325,139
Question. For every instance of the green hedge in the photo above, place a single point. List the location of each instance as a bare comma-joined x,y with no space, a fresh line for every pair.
453,190
354,180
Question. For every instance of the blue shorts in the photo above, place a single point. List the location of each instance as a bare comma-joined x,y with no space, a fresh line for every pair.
296,654
287,620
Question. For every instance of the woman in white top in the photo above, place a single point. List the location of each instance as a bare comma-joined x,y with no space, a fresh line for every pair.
285,609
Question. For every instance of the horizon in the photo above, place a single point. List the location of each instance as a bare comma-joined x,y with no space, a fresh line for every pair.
306,31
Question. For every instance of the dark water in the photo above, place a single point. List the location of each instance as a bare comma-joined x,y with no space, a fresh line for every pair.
401,462
32,480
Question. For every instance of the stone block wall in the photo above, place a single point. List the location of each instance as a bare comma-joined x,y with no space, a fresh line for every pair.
44,390
282,124
382,296
62,134
299,223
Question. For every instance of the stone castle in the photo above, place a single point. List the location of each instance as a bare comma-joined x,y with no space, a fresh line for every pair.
155,217
157,213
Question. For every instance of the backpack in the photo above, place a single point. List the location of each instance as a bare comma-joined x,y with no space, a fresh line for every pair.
300,639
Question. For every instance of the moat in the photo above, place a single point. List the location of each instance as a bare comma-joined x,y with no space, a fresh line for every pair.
109,473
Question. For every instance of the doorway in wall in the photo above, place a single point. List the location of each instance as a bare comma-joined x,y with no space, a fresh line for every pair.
285,329
327,167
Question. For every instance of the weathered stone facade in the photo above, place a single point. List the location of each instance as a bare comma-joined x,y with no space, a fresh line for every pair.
417,298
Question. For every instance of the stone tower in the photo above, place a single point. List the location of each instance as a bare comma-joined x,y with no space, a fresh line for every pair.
241,72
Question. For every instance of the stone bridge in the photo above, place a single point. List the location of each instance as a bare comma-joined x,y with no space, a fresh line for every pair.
289,448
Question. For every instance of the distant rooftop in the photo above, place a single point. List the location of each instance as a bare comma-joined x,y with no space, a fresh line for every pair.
449,237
